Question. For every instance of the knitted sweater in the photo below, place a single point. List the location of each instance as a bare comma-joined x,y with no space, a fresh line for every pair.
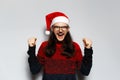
58,67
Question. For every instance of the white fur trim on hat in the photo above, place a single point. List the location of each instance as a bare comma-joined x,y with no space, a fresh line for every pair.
60,19
47,32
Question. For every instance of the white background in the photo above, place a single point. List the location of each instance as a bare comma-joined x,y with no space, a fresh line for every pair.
98,20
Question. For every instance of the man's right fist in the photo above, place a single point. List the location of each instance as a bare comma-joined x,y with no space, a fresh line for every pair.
32,41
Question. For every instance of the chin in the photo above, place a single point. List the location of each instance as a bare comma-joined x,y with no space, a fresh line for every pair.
60,38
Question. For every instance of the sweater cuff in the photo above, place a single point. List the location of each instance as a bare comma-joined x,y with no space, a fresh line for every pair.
31,51
88,52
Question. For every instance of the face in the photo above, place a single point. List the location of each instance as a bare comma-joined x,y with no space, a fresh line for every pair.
60,30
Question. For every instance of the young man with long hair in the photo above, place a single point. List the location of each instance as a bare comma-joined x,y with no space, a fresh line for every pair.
59,56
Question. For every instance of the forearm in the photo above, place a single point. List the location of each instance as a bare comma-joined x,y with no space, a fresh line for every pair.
87,61
34,64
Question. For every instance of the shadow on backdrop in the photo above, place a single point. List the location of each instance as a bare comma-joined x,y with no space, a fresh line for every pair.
80,76
35,77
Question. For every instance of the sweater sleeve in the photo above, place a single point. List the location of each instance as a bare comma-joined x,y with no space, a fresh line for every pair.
34,64
86,61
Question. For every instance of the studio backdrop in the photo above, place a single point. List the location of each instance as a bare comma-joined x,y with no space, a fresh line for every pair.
94,19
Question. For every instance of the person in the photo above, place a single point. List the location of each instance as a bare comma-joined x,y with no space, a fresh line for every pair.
59,56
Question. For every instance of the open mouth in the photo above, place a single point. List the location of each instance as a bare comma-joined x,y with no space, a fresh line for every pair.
60,34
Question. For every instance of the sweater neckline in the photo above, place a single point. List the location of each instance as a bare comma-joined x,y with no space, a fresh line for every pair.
59,44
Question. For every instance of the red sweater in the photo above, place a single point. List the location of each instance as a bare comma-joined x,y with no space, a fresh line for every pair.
59,64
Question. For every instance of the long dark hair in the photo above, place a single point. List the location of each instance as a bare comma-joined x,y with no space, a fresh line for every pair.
67,45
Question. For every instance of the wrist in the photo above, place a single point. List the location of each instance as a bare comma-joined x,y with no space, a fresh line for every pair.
31,51
88,51
88,47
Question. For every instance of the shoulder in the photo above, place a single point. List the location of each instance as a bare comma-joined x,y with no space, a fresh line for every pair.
42,47
78,51
44,43
76,45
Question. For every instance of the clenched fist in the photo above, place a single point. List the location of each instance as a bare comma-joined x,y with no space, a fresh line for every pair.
32,41
87,43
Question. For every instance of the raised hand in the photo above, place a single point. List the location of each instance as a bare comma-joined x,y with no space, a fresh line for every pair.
32,41
87,43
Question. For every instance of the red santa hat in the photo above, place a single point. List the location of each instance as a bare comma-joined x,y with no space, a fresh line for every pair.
53,18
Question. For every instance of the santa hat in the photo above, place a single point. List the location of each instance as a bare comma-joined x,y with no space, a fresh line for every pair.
53,18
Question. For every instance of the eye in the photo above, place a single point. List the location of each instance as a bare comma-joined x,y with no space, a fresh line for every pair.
60,27
64,27
55,26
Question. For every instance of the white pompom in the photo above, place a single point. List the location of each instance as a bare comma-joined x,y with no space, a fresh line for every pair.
47,32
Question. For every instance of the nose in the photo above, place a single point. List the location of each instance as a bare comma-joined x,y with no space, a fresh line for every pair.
60,29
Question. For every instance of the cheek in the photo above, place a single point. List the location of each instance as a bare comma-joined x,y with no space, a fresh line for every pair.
66,31
54,31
